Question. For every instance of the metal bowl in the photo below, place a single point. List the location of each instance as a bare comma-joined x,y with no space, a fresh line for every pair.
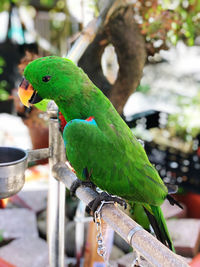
13,163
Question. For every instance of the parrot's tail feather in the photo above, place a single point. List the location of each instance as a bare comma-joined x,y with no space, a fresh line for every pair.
152,215
172,201
158,215
155,227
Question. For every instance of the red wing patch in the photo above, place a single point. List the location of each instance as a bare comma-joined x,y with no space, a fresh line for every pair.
62,121
90,118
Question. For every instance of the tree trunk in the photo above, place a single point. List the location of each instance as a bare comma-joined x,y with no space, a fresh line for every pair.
124,34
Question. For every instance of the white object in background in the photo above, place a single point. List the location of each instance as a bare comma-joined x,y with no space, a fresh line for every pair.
13,132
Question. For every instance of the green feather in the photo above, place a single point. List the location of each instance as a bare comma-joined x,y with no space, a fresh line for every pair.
157,213
138,214
116,160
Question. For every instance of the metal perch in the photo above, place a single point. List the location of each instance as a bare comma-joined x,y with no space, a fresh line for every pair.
142,241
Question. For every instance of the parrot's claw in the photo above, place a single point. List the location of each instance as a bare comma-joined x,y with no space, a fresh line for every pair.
77,183
94,204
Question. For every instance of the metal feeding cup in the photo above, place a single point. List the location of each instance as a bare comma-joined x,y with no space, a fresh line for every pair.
13,163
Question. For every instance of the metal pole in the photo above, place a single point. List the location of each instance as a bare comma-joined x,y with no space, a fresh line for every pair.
37,154
56,197
89,32
142,241
79,230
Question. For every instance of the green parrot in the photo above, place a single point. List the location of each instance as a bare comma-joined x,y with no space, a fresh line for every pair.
99,145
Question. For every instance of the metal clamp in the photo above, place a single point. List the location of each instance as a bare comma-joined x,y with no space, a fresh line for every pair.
132,232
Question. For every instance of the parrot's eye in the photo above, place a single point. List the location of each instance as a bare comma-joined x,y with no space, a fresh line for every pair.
46,79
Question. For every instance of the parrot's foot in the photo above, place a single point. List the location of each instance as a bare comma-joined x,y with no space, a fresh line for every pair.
94,204
77,183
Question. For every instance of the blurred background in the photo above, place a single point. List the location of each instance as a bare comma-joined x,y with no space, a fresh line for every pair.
146,60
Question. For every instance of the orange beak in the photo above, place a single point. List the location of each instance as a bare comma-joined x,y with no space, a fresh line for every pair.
25,92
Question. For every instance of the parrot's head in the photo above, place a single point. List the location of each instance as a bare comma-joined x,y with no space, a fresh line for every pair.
45,77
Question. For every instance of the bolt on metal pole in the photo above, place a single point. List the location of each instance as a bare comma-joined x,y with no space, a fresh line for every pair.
56,195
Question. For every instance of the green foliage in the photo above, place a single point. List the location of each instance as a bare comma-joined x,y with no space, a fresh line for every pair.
5,4
2,64
47,3
168,21
143,88
94,5
3,93
183,124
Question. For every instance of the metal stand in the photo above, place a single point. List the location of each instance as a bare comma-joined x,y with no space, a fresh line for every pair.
143,242
56,196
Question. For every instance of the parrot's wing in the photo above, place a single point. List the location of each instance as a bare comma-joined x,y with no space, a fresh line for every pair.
84,143
116,169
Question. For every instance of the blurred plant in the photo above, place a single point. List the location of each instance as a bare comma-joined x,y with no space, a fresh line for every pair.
186,124
94,4
47,3
162,22
2,64
5,4
143,88
165,22
60,22
4,95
